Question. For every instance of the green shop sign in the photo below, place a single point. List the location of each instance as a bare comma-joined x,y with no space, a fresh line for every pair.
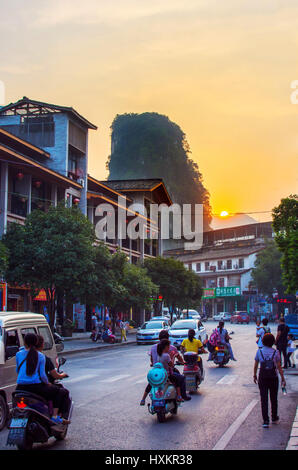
233,291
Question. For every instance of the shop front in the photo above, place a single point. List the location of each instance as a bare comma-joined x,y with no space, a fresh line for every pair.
222,299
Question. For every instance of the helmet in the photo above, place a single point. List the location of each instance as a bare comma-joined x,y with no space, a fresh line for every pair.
157,375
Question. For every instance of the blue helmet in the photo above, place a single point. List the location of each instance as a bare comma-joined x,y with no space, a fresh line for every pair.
157,375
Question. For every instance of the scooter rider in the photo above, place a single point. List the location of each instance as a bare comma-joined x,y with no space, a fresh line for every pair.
194,345
225,338
53,375
164,334
32,377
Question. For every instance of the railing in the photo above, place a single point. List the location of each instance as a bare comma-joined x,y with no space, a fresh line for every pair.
40,204
18,204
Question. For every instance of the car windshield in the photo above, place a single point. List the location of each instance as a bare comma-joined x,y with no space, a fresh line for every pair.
153,325
184,325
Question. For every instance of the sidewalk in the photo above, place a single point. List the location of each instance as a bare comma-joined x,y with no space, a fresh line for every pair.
81,342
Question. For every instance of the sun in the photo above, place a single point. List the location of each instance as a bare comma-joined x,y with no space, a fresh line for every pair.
224,214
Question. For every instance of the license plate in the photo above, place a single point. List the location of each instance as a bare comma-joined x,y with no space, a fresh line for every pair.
158,402
18,423
148,337
220,354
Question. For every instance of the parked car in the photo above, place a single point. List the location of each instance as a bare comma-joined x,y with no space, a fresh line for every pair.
292,322
179,331
165,319
240,317
13,327
149,331
191,314
222,316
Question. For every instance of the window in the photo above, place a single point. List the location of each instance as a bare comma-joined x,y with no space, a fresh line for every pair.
207,266
219,264
24,331
12,344
229,264
198,267
221,282
47,337
241,263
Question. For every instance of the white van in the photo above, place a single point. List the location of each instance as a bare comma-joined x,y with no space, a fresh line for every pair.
13,327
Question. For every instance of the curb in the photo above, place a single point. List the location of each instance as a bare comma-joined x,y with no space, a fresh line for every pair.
293,440
94,348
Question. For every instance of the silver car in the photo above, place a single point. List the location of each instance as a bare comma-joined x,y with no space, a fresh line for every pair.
149,331
179,331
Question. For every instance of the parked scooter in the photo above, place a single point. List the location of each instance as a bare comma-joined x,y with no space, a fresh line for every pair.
220,355
163,393
96,335
108,337
31,420
192,372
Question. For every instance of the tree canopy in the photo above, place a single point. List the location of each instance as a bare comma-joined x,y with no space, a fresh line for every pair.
178,286
149,145
267,274
52,251
285,225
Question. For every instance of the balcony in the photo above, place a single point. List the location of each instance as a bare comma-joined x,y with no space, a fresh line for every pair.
40,204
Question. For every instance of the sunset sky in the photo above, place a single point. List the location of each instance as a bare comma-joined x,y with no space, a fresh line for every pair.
221,69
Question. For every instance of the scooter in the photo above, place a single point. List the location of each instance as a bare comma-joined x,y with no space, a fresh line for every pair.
220,355
163,394
192,372
31,420
108,337
96,335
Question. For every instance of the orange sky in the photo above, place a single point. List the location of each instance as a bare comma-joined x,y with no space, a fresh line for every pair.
222,70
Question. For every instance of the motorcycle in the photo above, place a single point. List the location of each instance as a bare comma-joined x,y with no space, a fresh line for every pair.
96,335
108,337
31,419
220,355
59,342
192,372
163,393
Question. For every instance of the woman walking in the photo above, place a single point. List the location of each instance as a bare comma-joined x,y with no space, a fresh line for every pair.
269,360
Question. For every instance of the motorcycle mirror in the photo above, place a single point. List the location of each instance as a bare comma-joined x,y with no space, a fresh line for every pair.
61,361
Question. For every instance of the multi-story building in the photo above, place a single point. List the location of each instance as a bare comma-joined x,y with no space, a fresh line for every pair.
44,160
224,263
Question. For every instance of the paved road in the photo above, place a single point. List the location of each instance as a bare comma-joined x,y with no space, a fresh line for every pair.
107,387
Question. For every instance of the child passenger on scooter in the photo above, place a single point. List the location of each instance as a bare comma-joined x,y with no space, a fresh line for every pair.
164,358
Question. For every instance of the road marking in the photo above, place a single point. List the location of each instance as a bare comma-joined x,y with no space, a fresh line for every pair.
82,377
227,380
141,381
114,379
227,436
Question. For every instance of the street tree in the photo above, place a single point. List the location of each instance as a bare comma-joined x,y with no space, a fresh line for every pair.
267,273
4,255
177,285
52,251
285,225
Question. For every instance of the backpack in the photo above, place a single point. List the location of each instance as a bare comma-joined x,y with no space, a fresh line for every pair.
214,338
267,367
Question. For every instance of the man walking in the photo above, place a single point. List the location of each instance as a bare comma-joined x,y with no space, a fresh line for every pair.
123,330
282,340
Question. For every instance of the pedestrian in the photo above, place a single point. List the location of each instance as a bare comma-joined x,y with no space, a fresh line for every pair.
282,339
123,330
290,349
262,329
269,360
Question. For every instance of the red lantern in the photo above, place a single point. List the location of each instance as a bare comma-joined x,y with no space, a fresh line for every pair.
20,175
37,184
76,200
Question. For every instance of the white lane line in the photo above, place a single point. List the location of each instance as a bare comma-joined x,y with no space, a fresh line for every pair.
143,381
114,379
227,436
79,379
227,380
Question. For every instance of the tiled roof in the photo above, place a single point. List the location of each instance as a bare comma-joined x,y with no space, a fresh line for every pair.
137,184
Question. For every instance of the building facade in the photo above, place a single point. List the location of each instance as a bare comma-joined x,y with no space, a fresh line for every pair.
44,160
224,264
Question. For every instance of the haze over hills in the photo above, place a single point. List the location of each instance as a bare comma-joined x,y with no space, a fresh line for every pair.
231,221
